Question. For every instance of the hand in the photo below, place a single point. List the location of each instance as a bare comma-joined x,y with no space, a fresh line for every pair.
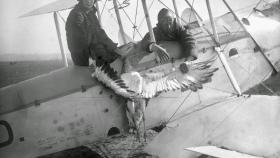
160,52
120,52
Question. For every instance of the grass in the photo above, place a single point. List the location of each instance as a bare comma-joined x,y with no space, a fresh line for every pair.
14,72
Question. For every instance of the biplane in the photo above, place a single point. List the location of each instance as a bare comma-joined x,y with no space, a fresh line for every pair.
68,107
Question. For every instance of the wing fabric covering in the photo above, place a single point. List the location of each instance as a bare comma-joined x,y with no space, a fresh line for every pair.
184,76
55,6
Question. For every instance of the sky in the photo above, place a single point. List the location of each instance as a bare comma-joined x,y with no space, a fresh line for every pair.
36,36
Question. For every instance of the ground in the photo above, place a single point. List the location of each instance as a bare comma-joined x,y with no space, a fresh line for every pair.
118,146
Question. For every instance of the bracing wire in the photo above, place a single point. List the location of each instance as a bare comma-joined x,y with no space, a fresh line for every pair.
199,97
61,17
171,10
187,96
255,7
223,100
223,120
182,18
142,20
221,90
254,77
128,17
103,7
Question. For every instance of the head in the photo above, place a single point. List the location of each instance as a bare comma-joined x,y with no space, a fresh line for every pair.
87,4
165,19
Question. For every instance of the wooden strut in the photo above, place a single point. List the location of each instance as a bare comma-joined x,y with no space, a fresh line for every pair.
201,21
176,11
220,54
148,20
119,20
63,55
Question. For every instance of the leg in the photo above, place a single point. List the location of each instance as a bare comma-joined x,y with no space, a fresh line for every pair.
144,124
144,118
130,110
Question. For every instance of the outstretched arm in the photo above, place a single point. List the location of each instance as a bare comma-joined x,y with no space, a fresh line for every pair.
150,46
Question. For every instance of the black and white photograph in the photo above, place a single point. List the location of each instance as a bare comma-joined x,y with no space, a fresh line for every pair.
140,79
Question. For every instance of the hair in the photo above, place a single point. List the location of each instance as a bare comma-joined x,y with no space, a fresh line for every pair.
163,12
94,1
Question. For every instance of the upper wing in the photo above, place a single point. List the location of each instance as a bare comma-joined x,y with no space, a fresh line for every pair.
186,75
52,7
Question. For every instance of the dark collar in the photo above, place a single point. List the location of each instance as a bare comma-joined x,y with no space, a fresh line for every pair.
82,9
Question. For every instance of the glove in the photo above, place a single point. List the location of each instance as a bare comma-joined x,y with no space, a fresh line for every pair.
161,53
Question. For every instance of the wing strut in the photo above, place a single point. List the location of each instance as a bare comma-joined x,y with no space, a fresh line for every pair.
64,58
219,52
119,20
176,10
148,20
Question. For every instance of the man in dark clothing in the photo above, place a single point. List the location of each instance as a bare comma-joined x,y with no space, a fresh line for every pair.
86,38
168,29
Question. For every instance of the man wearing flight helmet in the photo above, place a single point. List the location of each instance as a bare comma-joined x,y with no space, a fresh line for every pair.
168,29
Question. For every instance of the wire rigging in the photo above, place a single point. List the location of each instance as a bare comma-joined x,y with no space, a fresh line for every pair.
142,20
211,35
237,106
221,90
254,77
61,17
135,19
128,17
171,10
187,96
103,7
254,7
223,100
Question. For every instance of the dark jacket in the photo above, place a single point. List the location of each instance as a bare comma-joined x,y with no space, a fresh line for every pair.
84,34
177,33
